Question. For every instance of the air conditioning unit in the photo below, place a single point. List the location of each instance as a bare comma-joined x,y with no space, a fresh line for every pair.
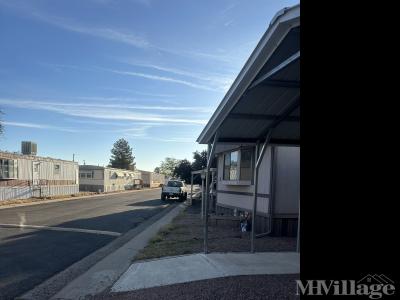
28,148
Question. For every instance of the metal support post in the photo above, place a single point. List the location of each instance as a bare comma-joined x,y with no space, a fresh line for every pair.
191,189
210,152
202,197
259,157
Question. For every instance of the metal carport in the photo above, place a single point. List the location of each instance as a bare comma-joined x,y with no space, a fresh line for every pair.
263,104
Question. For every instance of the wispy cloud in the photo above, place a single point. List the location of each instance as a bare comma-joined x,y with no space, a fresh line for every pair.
142,2
109,32
32,103
128,123
216,81
164,78
104,32
135,131
139,93
100,111
38,126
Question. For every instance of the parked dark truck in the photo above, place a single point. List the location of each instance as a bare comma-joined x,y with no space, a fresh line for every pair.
174,189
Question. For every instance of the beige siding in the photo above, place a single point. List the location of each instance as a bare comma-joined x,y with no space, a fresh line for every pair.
245,201
287,192
287,184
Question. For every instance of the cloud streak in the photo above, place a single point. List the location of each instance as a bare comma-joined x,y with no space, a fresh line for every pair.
38,126
163,78
217,81
108,32
96,111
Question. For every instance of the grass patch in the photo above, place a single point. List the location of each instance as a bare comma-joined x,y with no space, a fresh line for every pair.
173,239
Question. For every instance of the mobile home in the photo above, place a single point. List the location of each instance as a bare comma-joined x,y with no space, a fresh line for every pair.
106,179
152,179
255,134
26,176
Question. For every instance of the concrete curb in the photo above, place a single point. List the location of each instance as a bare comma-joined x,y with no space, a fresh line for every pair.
107,271
5,206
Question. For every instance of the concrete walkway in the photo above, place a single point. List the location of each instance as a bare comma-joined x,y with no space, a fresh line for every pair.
179,269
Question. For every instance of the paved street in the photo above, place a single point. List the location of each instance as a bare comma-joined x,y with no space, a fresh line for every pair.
58,234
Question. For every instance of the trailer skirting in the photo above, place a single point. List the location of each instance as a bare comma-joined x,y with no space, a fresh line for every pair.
25,192
281,226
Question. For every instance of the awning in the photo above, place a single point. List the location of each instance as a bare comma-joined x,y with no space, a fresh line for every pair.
266,93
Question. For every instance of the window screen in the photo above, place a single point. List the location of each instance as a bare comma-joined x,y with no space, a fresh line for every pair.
246,164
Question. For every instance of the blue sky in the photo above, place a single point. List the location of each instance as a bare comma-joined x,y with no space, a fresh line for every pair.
77,75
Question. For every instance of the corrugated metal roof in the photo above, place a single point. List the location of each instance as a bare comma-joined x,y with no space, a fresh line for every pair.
11,155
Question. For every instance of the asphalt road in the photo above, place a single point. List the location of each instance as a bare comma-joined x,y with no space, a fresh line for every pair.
30,256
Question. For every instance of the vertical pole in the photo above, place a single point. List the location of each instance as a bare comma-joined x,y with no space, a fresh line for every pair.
259,157
191,189
202,198
206,201
212,188
253,216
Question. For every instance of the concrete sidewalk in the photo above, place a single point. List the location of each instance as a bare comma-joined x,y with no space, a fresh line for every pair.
180,269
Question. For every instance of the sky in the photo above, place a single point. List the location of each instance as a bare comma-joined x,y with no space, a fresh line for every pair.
77,75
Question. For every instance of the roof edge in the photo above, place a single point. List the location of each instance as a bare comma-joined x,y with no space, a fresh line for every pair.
230,98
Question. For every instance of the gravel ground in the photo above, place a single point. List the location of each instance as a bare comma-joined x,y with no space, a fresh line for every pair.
185,236
237,287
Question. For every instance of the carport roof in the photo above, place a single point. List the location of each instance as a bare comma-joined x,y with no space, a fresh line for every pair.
266,93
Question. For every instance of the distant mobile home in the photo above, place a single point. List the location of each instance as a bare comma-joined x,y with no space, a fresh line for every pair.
151,179
106,179
26,176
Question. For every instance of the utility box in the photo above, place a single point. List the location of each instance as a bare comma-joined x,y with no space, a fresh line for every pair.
28,148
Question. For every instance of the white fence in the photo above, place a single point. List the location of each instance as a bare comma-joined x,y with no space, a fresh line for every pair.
7,193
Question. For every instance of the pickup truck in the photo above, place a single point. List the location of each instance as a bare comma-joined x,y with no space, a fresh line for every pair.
174,188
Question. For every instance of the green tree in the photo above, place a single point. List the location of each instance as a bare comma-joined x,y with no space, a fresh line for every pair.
167,166
157,170
199,163
183,170
122,156
199,160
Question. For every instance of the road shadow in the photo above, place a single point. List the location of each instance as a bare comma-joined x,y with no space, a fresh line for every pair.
28,257
154,202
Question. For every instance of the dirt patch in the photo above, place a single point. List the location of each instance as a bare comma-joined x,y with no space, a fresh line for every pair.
184,235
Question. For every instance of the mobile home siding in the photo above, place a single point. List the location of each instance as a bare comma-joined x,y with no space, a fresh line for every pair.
241,196
286,190
47,182
105,179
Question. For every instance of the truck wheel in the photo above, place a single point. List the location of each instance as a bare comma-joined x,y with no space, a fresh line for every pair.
185,198
162,197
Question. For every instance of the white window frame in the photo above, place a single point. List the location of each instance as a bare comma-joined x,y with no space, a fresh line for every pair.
238,181
14,168
57,171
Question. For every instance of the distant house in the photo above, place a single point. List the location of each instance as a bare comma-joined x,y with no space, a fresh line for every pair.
262,108
106,179
26,176
151,179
